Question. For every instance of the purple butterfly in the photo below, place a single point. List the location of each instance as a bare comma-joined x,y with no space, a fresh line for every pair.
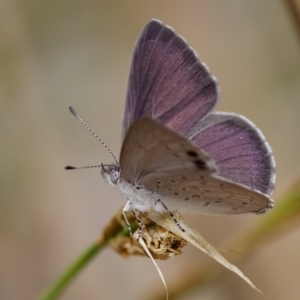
177,154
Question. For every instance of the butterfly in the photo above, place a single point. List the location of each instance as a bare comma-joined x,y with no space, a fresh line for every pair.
177,154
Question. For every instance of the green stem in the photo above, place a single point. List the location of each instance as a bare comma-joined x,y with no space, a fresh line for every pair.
113,230
62,282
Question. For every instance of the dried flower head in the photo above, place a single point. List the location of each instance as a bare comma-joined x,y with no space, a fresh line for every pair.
161,242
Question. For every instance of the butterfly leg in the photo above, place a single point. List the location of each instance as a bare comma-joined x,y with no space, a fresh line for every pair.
171,215
130,207
124,211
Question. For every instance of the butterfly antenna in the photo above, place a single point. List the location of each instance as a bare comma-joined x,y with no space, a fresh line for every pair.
95,135
83,167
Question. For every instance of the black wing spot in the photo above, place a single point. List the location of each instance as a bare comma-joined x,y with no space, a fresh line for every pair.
169,189
184,189
245,203
191,153
176,193
206,203
173,181
200,164
196,196
187,199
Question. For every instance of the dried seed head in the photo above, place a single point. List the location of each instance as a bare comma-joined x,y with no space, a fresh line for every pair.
161,243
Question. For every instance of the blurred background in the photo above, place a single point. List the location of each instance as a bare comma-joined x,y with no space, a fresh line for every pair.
54,54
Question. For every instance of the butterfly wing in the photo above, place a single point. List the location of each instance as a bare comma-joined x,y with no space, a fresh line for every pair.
183,177
167,81
188,191
238,148
151,148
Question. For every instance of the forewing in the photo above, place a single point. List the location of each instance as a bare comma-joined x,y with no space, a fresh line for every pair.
151,148
238,148
189,191
167,81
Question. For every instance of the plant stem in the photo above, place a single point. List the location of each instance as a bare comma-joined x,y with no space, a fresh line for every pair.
65,279
113,230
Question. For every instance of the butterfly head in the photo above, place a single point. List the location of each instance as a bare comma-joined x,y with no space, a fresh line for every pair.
111,174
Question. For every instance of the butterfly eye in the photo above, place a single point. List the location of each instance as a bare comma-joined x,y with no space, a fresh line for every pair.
114,176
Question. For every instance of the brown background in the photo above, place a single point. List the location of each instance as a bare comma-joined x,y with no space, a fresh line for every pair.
59,53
